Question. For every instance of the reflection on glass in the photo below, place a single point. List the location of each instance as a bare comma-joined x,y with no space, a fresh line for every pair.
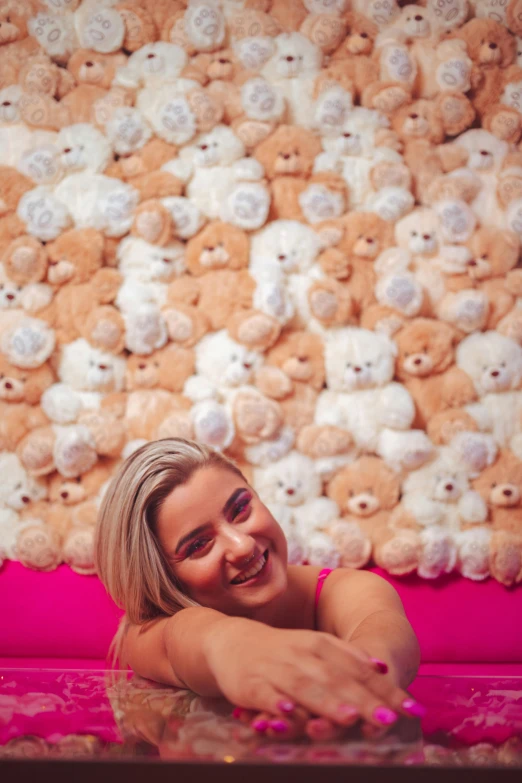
471,721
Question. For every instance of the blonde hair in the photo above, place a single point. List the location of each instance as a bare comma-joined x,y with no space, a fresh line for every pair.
129,559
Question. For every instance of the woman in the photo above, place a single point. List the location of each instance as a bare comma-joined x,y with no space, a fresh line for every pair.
199,564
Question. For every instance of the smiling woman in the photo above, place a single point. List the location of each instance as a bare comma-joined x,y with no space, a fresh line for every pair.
199,564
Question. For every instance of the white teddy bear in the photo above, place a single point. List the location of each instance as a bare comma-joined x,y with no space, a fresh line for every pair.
362,399
151,65
29,298
282,257
85,374
494,363
82,147
221,181
44,214
18,489
127,130
292,69
225,402
438,498
291,489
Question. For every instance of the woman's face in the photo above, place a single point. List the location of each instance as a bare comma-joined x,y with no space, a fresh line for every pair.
223,544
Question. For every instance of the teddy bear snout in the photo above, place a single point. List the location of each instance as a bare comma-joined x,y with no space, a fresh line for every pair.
8,385
25,499
290,491
492,45
506,495
142,366
64,495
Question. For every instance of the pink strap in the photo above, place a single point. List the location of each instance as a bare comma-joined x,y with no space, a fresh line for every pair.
320,582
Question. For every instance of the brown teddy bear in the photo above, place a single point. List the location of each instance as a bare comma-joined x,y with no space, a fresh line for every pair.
43,86
491,270
13,185
167,368
15,42
366,492
288,155
20,393
142,170
219,294
293,374
186,322
217,246
364,237
492,48
422,127
140,28
425,367
500,485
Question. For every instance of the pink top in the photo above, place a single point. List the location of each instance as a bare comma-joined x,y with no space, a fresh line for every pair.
320,582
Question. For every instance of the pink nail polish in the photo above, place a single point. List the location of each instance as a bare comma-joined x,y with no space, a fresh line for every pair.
286,706
236,713
385,716
279,726
381,666
260,725
414,708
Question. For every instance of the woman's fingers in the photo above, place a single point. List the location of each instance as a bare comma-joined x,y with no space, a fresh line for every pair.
322,730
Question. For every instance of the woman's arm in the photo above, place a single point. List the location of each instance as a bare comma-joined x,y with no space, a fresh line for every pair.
364,609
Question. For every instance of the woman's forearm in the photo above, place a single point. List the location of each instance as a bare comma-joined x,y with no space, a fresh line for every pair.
387,635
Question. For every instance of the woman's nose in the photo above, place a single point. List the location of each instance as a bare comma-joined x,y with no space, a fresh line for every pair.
238,545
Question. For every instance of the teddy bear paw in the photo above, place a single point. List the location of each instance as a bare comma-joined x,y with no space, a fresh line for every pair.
506,558
254,51
449,13
116,207
103,31
29,344
354,547
78,551
439,553
45,217
273,299
145,330
392,202
38,547
204,26
256,418
260,101
186,216
74,451
390,99
246,206
321,551
470,311
212,425
42,164
175,121
52,33
401,292
473,553
400,554
127,130
318,203
332,109
454,74
457,220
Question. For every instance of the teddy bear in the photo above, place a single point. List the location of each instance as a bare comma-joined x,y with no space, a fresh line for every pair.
361,398
437,502
44,87
425,365
494,364
186,322
20,393
221,182
293,374
226,406
16,43
490,270
364,236
25,261
42,214
291,489
492,48
325,25
30,298
365,492
500,486
19,490
14,186
141,164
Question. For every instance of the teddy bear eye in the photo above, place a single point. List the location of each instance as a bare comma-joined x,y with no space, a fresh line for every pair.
233,357
414,233
406,354
494,485
78,479
279,483
1,286
368,364
348,364
485,255
19,485
350,493
18,287
502,364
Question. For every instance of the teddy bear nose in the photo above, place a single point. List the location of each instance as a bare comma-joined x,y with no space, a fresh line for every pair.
507,492
448,487
150,56
286,155
417,361
6,103
247,365
67,149
102,366
281,257
364,35
290,491
363,505
25,499
494,373
89,64
426,236
369,240
141,366
9,296
484,152
418,18
414,116
222,61
472,262
492,46
347,135
64,495
289,58
357,369
8,385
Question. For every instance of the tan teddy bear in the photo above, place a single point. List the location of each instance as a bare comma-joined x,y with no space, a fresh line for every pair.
20,393
13,185
140,28
186,322
490,269
366,492
15,42
25,260
425,366
85,291
142,169
364,237
217,246
500,485
492,48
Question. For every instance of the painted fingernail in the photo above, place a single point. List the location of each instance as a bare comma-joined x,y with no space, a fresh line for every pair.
347,711
260,725
380,665
414,708
286,706
385,716
278,725
236,712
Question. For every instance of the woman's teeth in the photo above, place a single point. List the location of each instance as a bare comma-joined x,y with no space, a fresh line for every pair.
256,568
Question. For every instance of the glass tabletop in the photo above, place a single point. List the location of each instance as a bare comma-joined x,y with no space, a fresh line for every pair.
72,714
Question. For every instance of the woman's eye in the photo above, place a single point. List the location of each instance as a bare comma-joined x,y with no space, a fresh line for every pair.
241,507
197,546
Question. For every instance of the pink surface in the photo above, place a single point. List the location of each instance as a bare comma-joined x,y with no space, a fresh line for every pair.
64,615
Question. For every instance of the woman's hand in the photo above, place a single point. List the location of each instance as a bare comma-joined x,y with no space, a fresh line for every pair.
273,670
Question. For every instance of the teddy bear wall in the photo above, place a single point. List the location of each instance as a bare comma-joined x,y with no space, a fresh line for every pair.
289,229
